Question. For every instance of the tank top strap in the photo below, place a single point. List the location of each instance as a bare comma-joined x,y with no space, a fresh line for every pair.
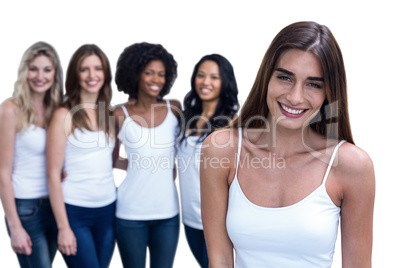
124,110
168,105
332,161
238,151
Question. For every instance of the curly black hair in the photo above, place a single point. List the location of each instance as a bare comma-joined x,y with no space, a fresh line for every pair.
133,60
228,103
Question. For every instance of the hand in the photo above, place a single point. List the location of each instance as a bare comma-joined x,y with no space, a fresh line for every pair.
67,242
20,241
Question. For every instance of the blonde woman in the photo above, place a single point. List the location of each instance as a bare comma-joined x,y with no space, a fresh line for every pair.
24,119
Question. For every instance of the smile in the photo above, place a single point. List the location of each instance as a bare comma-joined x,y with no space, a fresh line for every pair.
205,91
92,83
292,111
155,88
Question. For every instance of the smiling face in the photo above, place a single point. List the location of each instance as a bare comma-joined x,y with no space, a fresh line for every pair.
91,74
41,74
208,81
152,79
296,89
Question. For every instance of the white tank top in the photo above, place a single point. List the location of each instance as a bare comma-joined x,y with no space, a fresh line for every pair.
28,176
299,235
188,163
88,163
148,192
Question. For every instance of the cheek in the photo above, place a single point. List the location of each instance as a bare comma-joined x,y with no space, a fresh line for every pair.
163,81
51,77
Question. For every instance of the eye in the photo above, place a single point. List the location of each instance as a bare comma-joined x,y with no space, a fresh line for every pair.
283,77
32,69
315,85
161,74
215,77
48,70
200,76
99,68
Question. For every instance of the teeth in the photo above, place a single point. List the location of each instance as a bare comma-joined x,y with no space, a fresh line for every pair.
154,87
205,90
92,83
292,111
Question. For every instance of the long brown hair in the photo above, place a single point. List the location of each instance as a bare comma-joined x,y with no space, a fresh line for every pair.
333,119
73,99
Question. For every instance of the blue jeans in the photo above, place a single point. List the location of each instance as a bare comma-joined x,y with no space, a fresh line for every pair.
94,230
196,241
37,219
161,236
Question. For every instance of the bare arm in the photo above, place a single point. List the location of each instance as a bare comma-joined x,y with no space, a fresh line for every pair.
57,134
214,199
20,240
358,187
118,162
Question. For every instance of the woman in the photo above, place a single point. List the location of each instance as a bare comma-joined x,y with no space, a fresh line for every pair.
80,142
147,210
23,188
212,103
277,197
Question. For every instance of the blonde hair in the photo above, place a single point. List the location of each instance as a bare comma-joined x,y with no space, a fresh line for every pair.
22,92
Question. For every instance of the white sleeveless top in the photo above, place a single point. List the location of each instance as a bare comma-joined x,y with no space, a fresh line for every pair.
88,163
299,235
28,176
188,164
148,192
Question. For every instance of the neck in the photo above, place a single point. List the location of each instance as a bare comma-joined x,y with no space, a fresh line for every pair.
88,97
37,99
286,142
145,102
209,108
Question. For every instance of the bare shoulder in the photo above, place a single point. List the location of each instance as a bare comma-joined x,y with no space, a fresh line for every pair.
61,113
176,107
118,110
221,142
354,166
353,159
9,108
175,103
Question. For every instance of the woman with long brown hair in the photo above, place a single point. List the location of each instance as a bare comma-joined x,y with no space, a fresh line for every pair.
274,184
80,143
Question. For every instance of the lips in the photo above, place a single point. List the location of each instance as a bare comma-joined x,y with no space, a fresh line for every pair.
154,88
291,112
39,84
92,83
205,91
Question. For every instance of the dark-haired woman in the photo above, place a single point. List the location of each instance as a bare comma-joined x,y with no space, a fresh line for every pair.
147,213
294,172
81,142
211,103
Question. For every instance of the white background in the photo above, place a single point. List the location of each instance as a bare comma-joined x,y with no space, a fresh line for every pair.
368,33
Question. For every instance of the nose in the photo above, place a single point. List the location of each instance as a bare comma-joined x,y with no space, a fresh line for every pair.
91,72
156,78
40,75
296,94
206,80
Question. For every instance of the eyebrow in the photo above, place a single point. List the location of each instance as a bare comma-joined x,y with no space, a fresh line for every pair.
292,74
